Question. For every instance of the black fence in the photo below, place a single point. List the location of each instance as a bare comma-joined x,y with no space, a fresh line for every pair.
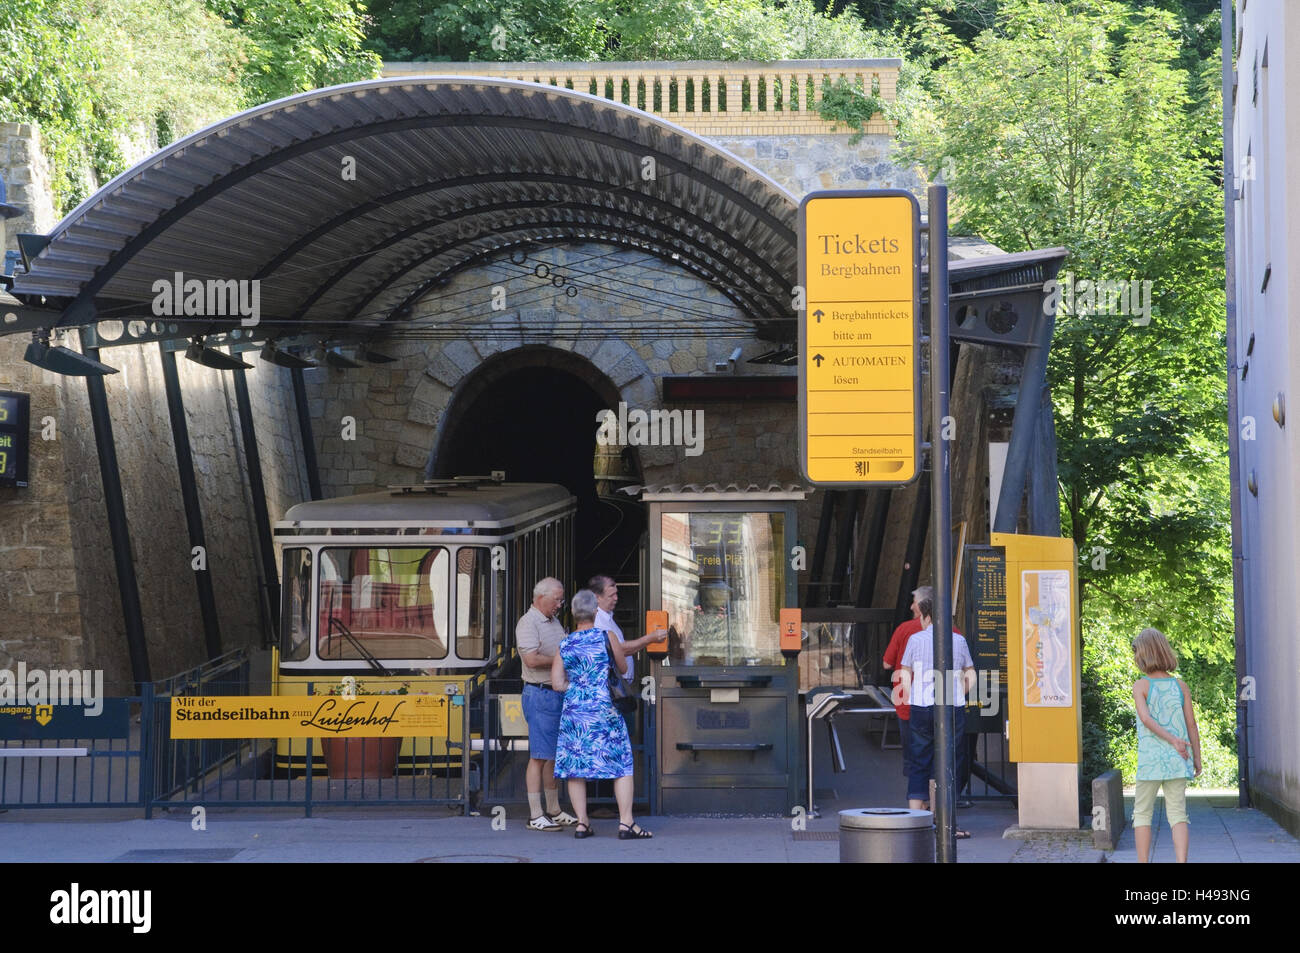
125,756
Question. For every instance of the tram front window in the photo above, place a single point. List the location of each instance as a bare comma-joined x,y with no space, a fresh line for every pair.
472,592
385,603
296,613
723,585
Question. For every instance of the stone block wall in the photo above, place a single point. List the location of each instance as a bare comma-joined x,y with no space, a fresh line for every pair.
400,408
38,584
807,163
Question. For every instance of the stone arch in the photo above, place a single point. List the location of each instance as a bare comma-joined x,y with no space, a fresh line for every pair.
532,411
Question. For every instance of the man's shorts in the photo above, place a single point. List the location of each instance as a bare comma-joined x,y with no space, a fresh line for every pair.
1144,801
542,708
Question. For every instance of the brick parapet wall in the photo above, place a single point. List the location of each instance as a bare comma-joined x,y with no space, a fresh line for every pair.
649,86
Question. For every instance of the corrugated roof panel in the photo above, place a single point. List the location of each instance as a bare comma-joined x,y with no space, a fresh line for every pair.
230,227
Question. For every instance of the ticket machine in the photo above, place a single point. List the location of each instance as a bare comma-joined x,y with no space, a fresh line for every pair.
719,573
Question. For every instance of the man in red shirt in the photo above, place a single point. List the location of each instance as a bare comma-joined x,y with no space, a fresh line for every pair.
893,655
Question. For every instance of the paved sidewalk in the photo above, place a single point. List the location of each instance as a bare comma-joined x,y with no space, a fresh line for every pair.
1220,833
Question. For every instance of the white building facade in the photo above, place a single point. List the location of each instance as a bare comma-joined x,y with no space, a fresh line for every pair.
1266,244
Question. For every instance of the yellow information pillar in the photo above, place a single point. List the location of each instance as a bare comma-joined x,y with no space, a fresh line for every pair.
1044,726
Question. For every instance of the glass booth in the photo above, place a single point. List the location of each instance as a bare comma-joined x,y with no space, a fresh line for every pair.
727,700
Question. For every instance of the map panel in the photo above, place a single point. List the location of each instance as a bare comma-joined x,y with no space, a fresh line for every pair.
1045,620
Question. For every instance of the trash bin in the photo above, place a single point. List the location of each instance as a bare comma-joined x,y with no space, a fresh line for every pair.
886,835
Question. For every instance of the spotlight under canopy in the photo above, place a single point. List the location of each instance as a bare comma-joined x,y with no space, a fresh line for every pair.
200,353
336,358
65,361
273,355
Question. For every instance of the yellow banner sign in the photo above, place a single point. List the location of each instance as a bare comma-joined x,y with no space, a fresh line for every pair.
309,716
859,394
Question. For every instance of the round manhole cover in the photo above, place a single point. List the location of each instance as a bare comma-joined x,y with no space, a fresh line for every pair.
473,859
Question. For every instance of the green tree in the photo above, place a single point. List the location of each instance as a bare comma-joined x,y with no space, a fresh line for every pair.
1072,124
298,45
524,30
497,30
109,80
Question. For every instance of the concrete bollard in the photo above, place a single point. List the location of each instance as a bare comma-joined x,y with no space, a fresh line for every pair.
1107,810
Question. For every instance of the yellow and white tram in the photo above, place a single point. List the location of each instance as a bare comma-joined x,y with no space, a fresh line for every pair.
414,589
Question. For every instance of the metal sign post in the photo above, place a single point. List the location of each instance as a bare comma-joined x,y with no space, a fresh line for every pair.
940,503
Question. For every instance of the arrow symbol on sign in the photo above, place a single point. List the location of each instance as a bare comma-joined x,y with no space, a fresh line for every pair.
817,358
818,315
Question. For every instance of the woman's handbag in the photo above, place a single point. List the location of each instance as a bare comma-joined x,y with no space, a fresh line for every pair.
621,692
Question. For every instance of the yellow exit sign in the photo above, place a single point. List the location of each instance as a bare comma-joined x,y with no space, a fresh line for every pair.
859,382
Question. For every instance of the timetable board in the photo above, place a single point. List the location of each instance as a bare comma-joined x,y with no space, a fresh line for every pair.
986,620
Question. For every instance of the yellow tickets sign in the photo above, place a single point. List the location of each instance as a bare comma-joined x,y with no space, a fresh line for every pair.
859,393
309,716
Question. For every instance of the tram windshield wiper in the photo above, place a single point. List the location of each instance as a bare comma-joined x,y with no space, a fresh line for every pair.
364,652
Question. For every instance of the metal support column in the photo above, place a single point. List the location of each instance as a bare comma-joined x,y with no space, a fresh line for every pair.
1024,428
816,591
261,516
875,543
851,503
304,429
941,552
915,550
190,496
1044,486
127,586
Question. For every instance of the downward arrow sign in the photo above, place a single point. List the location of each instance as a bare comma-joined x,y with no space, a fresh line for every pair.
817,358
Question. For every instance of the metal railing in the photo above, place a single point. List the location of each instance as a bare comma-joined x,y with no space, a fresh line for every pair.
505,748
479,758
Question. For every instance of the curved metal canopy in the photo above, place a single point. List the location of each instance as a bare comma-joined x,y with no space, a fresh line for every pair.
349,203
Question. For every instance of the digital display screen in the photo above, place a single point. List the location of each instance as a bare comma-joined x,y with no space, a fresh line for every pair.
14,412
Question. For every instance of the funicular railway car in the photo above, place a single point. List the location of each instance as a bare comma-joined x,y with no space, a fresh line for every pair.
413,589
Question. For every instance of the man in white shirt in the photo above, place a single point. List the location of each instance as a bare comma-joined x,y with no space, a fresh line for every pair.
919,677
606,591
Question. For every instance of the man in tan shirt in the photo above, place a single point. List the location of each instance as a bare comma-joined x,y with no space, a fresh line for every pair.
537,638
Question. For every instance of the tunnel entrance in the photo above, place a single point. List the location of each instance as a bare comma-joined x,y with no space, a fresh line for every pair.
532,413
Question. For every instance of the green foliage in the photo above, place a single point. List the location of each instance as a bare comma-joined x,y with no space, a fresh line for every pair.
531,30
298,45
513,30
843,102
1074,124
107,79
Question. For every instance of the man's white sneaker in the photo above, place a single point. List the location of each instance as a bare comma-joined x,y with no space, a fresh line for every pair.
565,818
542,823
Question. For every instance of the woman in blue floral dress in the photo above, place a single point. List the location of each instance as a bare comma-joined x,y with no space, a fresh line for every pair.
593,741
